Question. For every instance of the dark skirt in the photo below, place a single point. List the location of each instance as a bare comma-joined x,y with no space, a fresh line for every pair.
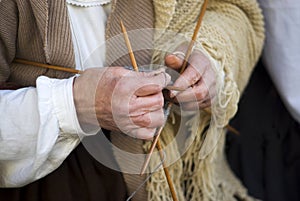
79,178
266,154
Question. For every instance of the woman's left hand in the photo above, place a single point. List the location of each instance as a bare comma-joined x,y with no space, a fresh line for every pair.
198,79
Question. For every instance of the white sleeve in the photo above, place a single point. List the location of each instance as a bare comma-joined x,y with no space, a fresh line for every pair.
282,47
38,130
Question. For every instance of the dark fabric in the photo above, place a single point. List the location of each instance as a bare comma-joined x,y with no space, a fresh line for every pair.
266,154
79,178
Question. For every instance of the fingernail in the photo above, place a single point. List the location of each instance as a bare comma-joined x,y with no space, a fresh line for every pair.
168,79
159,71
173,93
179,54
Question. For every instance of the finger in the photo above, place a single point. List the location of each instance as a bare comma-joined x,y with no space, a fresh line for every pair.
149,85
194,70
143,104
197,92
143,133
194,106
189,77
198,64
155,72
205,104
149,120
190,106
174,61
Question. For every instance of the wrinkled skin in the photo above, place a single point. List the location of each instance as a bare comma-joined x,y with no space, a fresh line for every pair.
118,99
121,100
198,80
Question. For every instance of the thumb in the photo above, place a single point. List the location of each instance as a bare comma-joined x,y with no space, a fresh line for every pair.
174,61
153,84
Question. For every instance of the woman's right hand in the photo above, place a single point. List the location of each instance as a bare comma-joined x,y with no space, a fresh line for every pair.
121,100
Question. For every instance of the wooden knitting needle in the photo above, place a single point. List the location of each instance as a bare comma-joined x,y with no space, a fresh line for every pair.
133,61
126,38
71,70
184,65
194,37
36,64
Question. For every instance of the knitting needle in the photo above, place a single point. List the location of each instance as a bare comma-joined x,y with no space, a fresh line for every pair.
194,37
184,65
133,61
126,38
36,64
71,70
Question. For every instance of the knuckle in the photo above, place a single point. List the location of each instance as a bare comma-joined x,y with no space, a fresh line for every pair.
120,107
158,118
156,87
195,77
150,133
201,94
160,100
146,134
161,116
143,120
146,120
163,79
197,72
120,86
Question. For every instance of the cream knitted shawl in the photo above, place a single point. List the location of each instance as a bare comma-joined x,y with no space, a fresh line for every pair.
232,34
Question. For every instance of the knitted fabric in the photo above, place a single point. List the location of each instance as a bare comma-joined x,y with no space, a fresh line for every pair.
232,36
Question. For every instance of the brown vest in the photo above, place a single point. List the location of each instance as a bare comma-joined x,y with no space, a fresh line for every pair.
45,36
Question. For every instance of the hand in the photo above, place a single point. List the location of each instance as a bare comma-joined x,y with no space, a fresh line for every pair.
123,100
198,80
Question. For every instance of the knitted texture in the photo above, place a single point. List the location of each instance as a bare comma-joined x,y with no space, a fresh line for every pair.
232,36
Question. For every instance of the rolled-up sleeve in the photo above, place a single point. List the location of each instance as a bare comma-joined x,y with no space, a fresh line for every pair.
38,130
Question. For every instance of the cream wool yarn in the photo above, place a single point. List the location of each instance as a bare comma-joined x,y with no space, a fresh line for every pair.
232,34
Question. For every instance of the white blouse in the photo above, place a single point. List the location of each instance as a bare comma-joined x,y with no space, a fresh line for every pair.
282,50
89,46
39,127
